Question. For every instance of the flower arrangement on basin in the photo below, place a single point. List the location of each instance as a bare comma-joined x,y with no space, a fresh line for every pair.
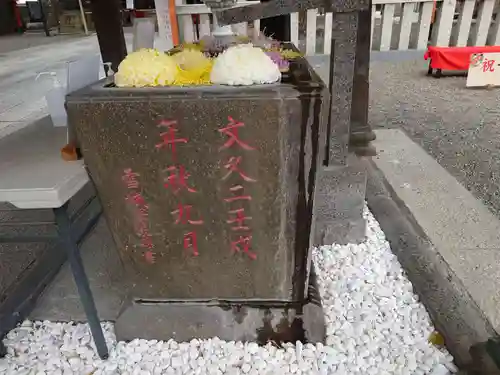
195,64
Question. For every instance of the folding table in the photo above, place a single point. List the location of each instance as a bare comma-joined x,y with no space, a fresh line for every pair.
33,176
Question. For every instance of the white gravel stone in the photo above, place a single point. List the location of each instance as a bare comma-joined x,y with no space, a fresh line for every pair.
375,326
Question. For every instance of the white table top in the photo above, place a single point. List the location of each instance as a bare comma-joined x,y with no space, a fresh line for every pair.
32,172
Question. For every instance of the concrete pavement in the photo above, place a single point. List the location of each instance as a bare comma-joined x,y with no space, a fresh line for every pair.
22,99
458,127
15,42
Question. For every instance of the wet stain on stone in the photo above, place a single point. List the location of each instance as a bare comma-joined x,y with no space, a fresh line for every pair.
285,330
239,313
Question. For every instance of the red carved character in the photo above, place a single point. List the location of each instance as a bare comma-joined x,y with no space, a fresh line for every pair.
238,197
147,241
136,198
168,137
243,244
488,66
184,215
190,241
149,256
239,219
130,178
143,232
177,179
231,130
232,166
144,211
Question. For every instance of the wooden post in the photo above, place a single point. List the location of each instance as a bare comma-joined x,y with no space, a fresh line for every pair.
108,25
360,132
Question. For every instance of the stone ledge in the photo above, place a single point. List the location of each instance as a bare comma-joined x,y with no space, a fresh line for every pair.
464,232
451,307
408,206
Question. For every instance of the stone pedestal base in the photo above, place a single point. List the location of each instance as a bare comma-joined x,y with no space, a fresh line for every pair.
339,203
359,142
257,321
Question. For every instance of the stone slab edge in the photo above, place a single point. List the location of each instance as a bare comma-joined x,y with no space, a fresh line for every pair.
453,311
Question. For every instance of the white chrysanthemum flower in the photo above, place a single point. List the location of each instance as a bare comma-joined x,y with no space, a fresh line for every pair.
146,67
244,65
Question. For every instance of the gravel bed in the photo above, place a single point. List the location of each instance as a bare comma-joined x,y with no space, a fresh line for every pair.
375,325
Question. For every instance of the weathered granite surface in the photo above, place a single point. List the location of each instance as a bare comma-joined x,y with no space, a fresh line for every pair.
339,203
341,181
268,155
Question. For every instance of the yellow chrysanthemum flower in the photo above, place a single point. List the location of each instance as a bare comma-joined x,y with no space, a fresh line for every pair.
193,68
146,67
189,59
168,70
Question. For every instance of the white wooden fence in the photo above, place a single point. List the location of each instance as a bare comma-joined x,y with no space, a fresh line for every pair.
396,24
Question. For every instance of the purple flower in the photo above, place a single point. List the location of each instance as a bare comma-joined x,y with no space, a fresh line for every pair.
283,64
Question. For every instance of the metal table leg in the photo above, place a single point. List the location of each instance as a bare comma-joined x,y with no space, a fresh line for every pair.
69,241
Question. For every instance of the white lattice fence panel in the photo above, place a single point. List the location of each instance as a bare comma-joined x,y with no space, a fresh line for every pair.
396,24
